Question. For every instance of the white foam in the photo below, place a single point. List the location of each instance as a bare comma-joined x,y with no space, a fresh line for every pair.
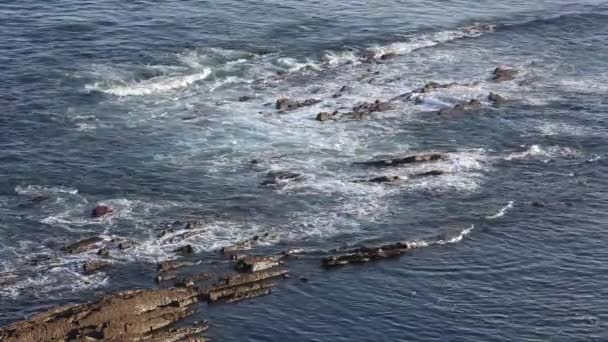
502,211
340,57
461,235
40,189
416,42
536,151
156,85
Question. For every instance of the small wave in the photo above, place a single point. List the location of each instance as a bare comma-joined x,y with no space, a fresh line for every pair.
443,241
416,42
502,211
39,189
154,85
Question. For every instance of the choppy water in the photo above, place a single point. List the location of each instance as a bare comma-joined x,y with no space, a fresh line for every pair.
135,105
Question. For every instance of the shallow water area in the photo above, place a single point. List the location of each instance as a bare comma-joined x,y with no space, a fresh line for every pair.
167,112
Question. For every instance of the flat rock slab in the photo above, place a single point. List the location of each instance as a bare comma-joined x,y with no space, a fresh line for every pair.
421,158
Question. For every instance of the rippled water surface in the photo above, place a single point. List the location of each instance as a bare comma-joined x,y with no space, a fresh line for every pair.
136,105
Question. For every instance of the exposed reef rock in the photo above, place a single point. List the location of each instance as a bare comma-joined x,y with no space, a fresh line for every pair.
503,74
239,287
358,112
82,245
94,266
138,315
101,210
366,254
286,104
421,158
278,177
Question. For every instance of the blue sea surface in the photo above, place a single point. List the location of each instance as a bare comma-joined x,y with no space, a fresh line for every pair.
139,105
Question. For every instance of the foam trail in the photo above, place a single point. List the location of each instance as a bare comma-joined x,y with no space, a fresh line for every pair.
455,239
154,85
502,211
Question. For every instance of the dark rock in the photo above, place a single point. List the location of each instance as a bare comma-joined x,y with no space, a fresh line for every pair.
503,74
324,116
288,104
82,245
40,198
429,173
387,56
344,89
304,279
101,210
367,254
125,244
496,99
256,263
104,252
538,204
277,177
381,179
421,158
245,98
185,250
94,266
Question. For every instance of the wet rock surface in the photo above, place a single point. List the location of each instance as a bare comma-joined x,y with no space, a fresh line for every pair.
286,104
94,266
101,210
366,254
135,315
503,74
82,245
256,263
274,178
421,158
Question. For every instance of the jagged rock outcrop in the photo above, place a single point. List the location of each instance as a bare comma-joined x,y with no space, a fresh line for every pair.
137,315
257,263
243,286
503,74
286,104
358,112
101,210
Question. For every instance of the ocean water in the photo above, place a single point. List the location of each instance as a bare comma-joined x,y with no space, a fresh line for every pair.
136,105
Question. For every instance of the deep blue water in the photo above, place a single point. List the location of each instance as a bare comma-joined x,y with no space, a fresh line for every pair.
135,105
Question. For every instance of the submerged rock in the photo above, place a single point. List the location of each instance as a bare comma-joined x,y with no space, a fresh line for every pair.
288,104
245,98
381,179
82,245
136,315
101,210
421,158
429,174
503,74
366,254
171,265
429,87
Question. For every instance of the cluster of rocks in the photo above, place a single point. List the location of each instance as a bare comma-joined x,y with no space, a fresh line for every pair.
285,104
413,159
358,112
137,315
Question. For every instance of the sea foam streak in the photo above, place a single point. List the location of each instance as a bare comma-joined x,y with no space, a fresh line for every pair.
502,211
154,85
